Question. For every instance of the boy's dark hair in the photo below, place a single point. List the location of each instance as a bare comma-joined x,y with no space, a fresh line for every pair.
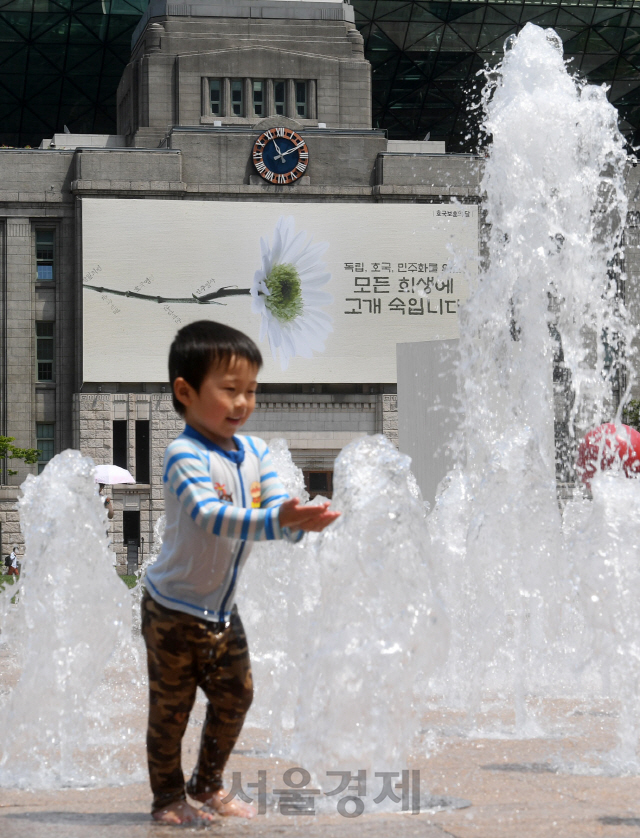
205,344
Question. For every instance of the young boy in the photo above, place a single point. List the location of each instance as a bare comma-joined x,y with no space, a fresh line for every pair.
221,494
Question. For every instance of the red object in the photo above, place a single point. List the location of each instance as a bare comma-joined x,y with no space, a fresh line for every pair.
609,447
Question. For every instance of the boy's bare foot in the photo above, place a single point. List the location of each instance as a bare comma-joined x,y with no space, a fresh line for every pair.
181,812
212,802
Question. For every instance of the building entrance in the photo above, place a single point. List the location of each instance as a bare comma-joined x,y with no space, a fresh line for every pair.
131,539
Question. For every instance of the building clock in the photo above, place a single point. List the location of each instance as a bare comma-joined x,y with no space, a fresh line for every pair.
280,155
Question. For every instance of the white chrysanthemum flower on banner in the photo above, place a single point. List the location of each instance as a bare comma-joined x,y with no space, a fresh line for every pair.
286,293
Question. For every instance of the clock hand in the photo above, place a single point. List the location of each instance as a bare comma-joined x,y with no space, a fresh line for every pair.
280,155
295,148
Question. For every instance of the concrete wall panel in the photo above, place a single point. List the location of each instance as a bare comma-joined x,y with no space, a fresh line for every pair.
426,422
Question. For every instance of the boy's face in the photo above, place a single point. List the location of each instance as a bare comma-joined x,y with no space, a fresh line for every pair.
223,404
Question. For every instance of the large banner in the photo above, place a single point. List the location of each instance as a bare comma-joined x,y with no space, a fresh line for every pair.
325,289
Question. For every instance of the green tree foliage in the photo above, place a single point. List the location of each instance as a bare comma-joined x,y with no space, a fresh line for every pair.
12,452
631,414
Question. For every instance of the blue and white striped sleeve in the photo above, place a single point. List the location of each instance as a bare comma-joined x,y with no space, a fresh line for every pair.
273,493
187,475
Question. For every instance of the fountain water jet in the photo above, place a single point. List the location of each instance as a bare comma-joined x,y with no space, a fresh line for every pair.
358,623
349,634
517,581
513,581
73,614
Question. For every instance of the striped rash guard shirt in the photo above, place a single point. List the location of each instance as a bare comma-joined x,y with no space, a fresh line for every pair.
217,503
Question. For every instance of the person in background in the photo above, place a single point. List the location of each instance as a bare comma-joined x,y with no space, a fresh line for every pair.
14,569
107,503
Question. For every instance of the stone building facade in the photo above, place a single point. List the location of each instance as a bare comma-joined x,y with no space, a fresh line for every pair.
204,80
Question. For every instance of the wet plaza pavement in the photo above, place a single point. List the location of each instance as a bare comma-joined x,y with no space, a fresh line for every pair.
498,788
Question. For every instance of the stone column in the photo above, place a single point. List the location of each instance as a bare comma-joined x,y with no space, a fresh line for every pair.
206,98
3,350
10,521
166,425
269,104
312,112
20,331
66,293
248,99
290,104
131,433
390,418
225,105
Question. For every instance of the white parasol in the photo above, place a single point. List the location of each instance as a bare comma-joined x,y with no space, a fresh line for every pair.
110,474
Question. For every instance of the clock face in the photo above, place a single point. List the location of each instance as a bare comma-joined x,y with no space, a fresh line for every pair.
280,155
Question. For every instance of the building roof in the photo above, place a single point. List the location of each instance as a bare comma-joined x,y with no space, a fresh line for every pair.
62,66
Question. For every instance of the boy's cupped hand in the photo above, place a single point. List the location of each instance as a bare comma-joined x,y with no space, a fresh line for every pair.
311,518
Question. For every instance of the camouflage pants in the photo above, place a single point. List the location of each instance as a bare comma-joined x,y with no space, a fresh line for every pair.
184,653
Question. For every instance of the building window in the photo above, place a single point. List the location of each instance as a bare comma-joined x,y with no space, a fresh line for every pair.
44,443
301,98
215,95
236,97
258,98
119,432
279,88
44,351
248,97
44,254
142,451
319,483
